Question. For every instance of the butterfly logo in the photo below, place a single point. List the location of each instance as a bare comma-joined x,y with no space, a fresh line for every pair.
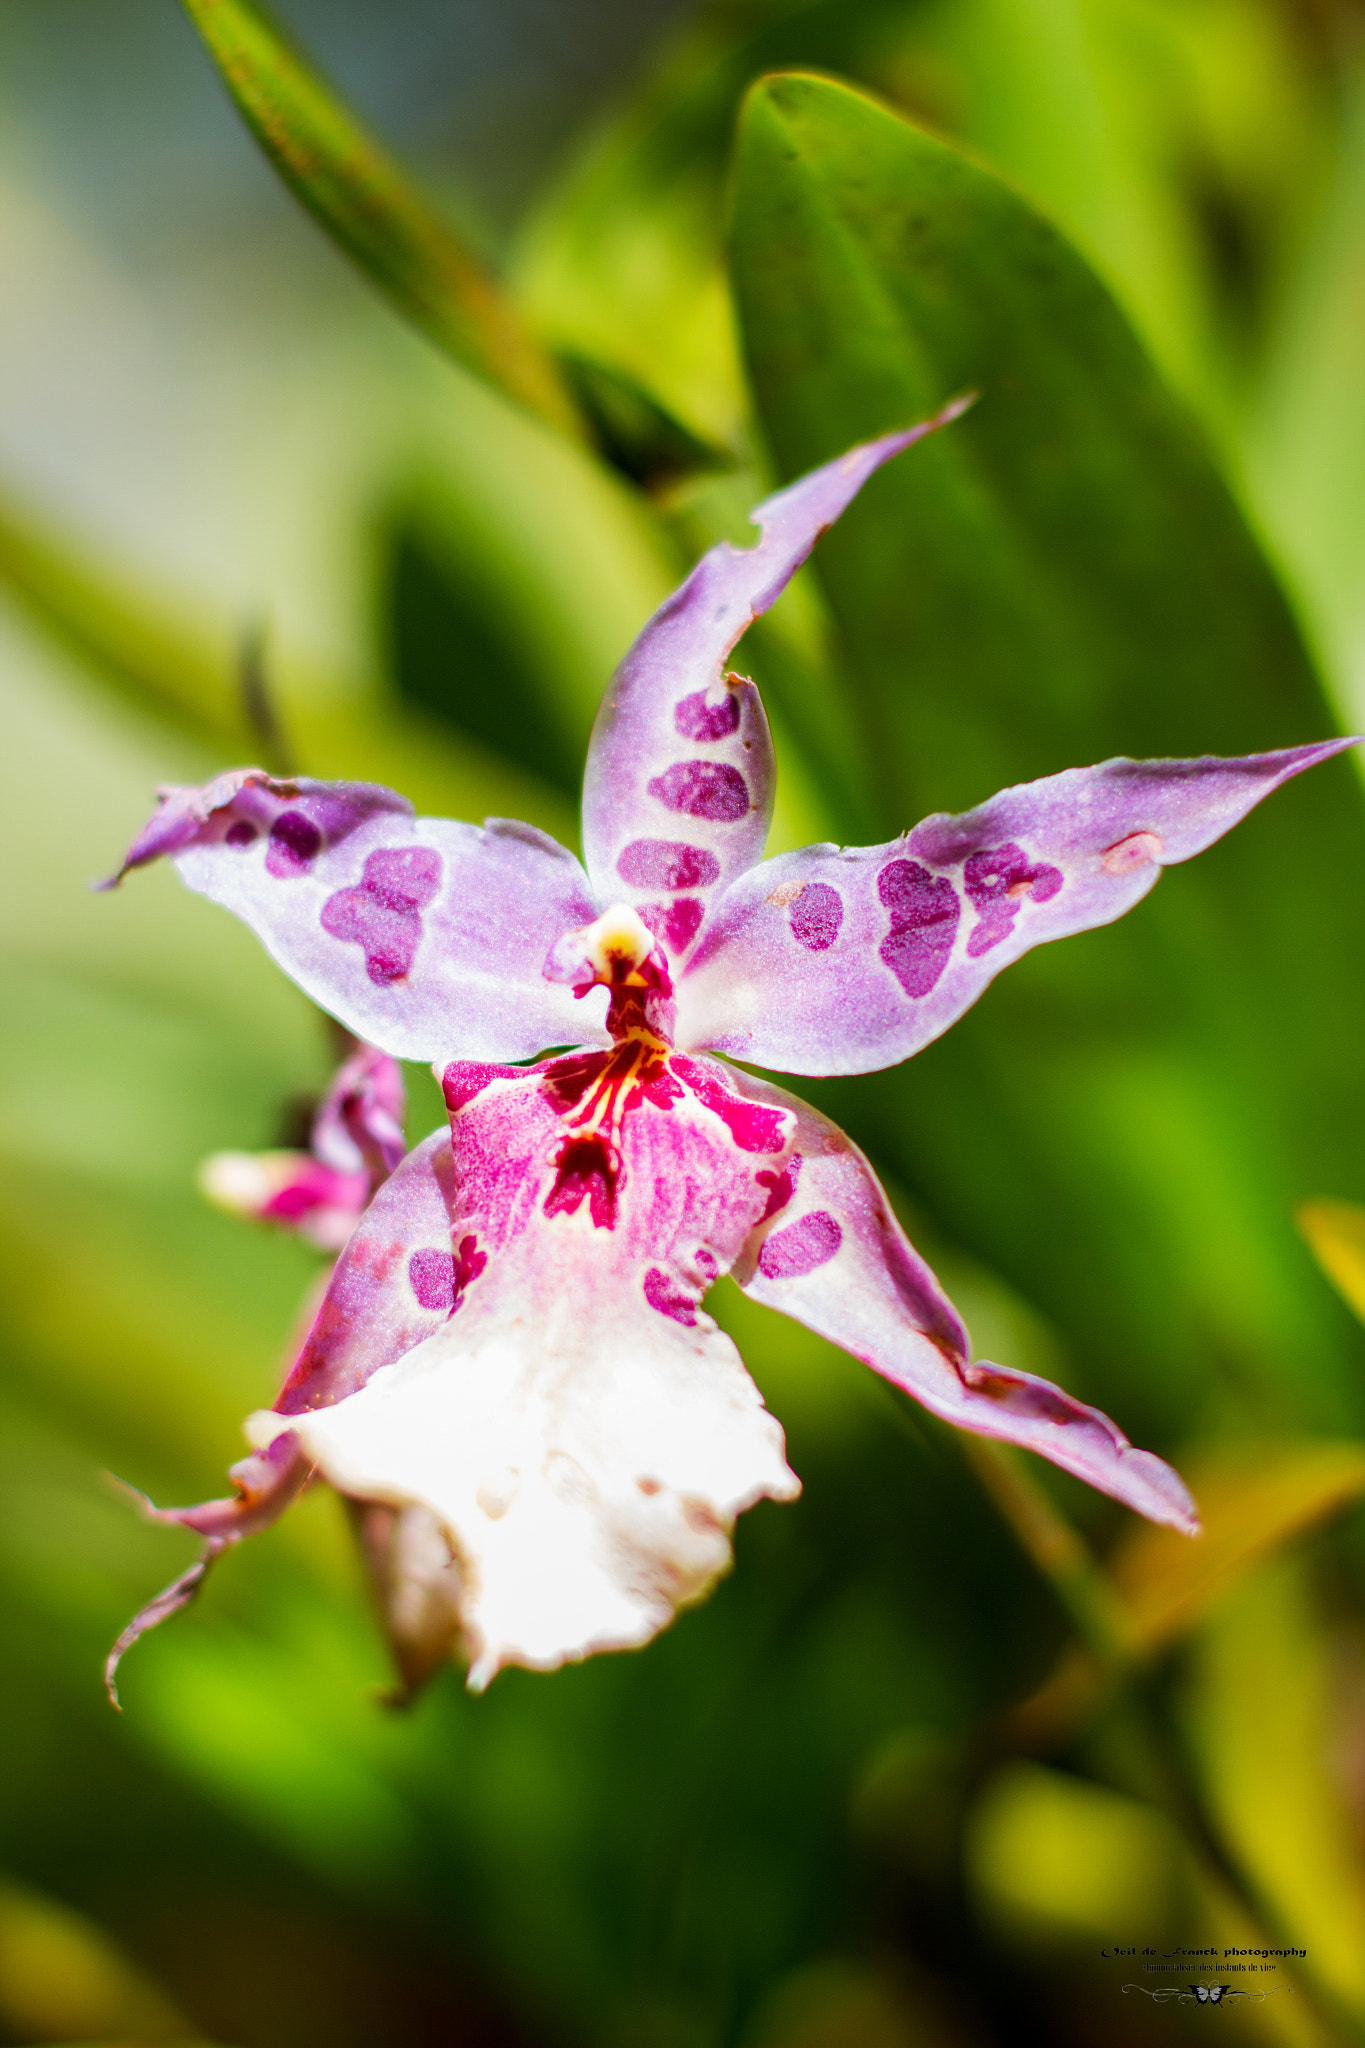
1210,1994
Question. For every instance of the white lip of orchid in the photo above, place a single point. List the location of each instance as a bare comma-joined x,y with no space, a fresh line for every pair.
618,949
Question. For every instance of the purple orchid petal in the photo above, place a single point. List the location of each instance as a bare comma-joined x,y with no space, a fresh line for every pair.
357,1142
292,1190
578,1427
839,961
359,1123
392,1287
678,789
422,935
831,1254
389,1291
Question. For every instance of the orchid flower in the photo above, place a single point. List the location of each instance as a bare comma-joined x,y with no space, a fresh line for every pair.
512,1368
355,1143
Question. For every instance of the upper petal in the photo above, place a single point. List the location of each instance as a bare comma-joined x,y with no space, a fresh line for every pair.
581,1430
832,1255
678,788
839,961
423,935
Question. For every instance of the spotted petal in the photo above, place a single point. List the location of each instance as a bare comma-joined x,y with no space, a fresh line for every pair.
357,1141
832,1255
393,1286
678,789
839,961
421,934
580,1429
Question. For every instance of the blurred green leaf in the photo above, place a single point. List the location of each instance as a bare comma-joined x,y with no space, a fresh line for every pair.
451,652
1265,1716
637,434
1252,1502
1123,1125
148,657
61,1977
365,203
1336,1235
159,658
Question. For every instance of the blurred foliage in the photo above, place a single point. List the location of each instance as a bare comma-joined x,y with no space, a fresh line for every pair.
898,1783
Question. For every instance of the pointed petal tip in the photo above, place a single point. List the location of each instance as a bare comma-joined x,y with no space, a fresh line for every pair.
1156,1490
1295,759
883,447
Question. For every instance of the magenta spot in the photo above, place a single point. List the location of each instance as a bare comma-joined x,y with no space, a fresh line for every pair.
294,845
658,1087
316,1186
816,916
464,1079
241,833
1020,1392
568,1080
924,913
587,1167
431,1275
675,924
703,789
669,1300
382,913
667,864
997,882
698,720
801,1247
753,1127
781,1185
469,1263
439,1279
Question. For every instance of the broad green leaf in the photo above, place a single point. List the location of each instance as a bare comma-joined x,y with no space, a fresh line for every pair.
350,186
1336,1234
1124,1124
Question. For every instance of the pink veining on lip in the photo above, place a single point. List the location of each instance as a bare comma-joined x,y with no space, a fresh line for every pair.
511,1371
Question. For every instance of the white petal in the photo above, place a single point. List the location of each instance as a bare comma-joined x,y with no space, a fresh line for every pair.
588,1465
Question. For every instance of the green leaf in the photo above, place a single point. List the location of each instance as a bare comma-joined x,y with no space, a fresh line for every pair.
148,657
1124,1125
452,653
1336,1235
365,203
157,657
1253,1500
637,434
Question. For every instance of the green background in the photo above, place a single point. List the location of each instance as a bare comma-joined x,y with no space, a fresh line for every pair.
872,1795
